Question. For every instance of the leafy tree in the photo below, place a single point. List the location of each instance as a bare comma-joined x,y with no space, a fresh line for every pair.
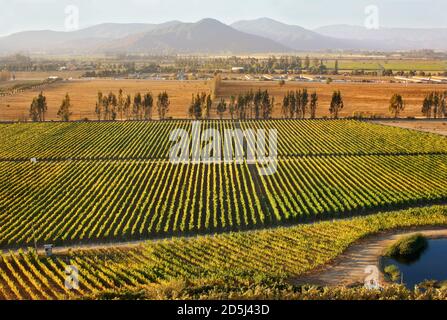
121,101
98,109
105,106
336,104
64,109
249,99
298,107
240,106
257,99
191,107
443,106
195,109
163,104
307,63
268,111
148,103
304,102
286,105
38,108
427,104
267,105
43,107
289,104
136,107
113,102
221,108
127,104
232,106
336,67
313,105
208,105
435,105
397,105
34,111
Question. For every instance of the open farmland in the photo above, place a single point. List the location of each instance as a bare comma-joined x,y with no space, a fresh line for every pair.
367,98
83,94
99,182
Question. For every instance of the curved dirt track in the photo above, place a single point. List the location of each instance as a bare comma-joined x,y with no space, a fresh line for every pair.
349,268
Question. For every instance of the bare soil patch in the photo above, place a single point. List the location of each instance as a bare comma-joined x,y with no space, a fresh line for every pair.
438,127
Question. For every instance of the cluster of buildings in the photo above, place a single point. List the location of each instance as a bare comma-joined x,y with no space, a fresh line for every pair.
430,80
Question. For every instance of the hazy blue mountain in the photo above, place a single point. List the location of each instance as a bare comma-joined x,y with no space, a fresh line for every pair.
296,37
119,30
391,38
205,36
211,36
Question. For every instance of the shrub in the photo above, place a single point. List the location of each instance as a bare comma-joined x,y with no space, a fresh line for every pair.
392,272
408,247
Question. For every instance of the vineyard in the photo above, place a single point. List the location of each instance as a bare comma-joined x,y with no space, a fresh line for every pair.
286,252
109,182
150,140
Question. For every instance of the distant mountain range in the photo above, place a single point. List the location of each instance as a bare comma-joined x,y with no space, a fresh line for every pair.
391,38
211,36
293,37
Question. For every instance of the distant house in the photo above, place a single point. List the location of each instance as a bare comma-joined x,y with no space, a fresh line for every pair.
439,79
267,77
304,77
237,69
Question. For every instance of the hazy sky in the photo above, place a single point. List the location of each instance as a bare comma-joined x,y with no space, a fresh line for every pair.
19,15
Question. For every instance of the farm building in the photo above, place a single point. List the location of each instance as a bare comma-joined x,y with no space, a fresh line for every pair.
237,69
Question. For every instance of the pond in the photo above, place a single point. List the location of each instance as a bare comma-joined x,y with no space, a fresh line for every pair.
430,265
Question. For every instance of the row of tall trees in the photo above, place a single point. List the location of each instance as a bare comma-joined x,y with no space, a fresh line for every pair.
248,105
251,105
299,104
39,107
296,104
435,105
201,105
108,107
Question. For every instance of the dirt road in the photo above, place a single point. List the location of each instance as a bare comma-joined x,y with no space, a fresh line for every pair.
349,268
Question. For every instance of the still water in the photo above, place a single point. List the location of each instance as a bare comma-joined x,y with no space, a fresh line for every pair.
430,265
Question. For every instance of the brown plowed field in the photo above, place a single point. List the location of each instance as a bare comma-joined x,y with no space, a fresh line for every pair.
368,98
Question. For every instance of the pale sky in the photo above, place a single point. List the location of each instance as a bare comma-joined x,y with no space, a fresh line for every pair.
21,15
